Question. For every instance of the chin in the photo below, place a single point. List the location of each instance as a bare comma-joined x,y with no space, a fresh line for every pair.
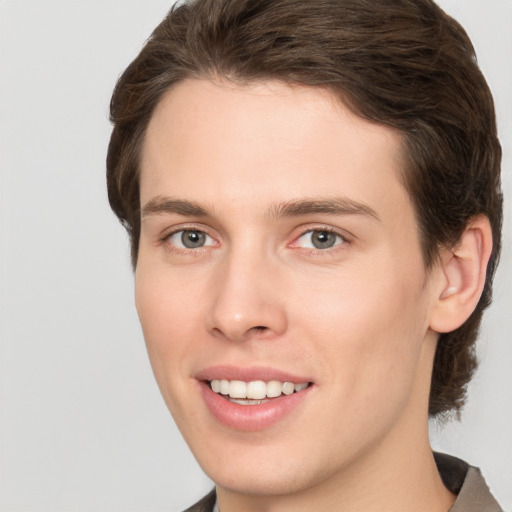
267,468
276,480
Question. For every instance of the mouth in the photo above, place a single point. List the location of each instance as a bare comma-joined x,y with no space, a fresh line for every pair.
254,392
250,398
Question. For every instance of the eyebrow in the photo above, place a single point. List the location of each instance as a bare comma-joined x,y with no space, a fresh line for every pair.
159,205
330,206
309,206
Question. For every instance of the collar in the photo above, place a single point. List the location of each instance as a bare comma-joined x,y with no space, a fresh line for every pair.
467,482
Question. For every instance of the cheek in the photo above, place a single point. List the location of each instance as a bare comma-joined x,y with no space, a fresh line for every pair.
168,314
367,329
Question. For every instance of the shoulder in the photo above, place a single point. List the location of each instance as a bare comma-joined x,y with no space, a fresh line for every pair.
205,504
467,483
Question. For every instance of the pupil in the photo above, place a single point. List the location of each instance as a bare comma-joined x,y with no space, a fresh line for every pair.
193,239
323,239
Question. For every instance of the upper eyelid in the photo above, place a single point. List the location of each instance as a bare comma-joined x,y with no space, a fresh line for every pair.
343,233
327,229
332,231
207,236
165,233
176,231
164,240
344,239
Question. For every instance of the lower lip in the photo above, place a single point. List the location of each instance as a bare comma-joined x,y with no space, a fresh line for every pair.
251,417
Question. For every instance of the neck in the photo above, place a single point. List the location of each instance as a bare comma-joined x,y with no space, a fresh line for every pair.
404,480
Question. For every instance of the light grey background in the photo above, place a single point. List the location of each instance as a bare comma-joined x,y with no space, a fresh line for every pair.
82,425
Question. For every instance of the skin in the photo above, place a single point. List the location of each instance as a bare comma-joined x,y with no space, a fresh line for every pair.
355,318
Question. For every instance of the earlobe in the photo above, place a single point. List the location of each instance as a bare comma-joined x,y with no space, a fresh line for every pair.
463,271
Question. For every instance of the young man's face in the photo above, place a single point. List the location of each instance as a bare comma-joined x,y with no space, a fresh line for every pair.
278,244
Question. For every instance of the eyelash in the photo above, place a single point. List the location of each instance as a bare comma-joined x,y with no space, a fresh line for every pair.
165,241
345,240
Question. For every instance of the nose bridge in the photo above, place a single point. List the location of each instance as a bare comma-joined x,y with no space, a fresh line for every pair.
245,301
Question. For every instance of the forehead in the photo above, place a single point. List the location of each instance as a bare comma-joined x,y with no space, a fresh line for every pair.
266,142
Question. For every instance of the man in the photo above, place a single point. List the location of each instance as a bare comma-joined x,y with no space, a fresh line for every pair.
313,197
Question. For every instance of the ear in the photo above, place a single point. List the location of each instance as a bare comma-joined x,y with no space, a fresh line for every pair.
462,272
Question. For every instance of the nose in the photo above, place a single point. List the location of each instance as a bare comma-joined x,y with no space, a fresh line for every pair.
247,301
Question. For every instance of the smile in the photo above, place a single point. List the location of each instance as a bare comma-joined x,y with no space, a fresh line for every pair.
254,398
254,392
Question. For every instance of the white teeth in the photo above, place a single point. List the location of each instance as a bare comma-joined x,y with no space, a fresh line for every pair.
274,388
224,387
253,392
246,401
237,389
288,388
256,389
300,387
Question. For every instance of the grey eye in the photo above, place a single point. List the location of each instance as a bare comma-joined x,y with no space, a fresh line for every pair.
190,239
193,239
323,239
319,239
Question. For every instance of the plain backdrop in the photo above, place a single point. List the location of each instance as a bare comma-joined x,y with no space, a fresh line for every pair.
82,424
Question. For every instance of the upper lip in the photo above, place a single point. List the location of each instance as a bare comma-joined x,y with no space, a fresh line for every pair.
249,373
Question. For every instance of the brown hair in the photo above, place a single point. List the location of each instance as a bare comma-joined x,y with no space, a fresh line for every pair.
402,63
